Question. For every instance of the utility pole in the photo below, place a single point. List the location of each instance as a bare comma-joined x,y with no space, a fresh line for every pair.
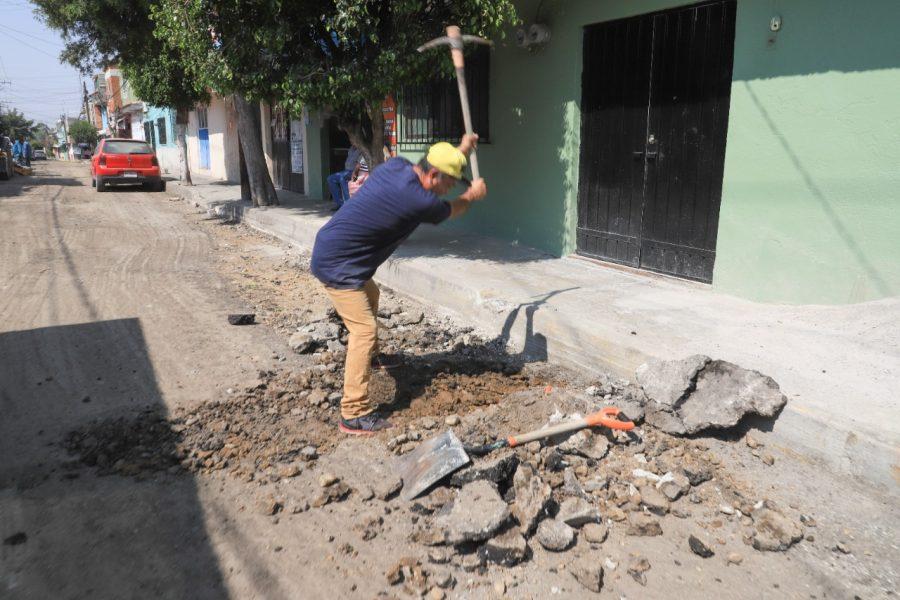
87,114
66,131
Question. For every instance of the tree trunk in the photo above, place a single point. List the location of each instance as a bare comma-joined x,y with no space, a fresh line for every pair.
261,188
246,194
376,115
371,145
181,122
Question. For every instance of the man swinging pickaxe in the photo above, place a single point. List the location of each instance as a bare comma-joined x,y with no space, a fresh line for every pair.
456,40
397,197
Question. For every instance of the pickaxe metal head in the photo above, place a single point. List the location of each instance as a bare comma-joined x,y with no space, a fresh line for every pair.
456,42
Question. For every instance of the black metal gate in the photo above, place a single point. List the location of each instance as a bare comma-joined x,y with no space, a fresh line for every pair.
655,98
284,176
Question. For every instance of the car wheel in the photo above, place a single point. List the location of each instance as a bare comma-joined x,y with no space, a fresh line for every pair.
100,184
161,186
93,182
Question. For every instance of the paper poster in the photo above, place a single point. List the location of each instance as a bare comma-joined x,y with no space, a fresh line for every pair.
296,146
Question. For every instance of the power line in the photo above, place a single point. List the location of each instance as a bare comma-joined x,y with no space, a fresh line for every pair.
35,48
26,34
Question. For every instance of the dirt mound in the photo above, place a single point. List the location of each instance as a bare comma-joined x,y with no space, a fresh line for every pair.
265,427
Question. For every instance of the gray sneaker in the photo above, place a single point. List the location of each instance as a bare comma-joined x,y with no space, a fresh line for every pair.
368,424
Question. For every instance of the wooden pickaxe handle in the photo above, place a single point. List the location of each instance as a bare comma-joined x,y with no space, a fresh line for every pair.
456,52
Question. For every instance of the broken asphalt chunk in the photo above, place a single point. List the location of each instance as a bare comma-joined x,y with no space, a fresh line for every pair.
242,319
507,549
699,547
476,515
497,469
697,393
532,497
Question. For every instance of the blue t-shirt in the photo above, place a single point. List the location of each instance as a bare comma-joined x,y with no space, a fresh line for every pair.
368,228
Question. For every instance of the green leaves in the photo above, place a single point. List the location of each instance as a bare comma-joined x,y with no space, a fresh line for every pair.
83,133
100,33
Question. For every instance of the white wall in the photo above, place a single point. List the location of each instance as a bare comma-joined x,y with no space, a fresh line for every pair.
137,126
224,160
169,160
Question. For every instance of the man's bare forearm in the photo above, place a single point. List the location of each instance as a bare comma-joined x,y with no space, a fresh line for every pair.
459,207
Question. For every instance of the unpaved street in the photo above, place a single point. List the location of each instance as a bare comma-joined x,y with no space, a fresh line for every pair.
148,449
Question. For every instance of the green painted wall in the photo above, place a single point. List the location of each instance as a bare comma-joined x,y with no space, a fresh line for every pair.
811,202
810,209
314,156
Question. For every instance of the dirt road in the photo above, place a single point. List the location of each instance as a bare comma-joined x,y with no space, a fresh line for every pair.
187,474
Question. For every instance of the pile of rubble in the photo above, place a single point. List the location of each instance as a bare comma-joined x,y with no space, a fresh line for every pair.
497,510
503,507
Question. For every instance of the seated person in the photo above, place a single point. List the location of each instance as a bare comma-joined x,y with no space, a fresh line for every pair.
337,182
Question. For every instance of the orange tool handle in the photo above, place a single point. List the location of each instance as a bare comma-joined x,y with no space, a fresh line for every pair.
605,417
608,417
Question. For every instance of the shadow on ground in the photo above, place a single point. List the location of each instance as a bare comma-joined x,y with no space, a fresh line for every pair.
70,532
21,184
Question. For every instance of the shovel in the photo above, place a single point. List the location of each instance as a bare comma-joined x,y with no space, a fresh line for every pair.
443,454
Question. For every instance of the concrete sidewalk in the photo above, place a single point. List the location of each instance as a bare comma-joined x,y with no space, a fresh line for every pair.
838,365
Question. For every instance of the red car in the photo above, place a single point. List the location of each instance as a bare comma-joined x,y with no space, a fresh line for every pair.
125,161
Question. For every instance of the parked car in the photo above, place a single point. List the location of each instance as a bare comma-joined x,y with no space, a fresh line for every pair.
38,154
123,161
82,150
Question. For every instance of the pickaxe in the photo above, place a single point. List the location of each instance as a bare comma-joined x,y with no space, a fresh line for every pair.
456,40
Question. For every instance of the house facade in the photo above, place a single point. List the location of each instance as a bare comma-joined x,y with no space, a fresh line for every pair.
749,146
739,143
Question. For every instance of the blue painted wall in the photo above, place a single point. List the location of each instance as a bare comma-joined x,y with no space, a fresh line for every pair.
154,113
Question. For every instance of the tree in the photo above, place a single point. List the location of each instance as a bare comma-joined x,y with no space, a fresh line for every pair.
13,123
162,81
83,132
221,46
41,136
363,50
101,33
340,56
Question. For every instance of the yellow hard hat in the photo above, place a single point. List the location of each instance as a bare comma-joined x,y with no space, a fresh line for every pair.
447,159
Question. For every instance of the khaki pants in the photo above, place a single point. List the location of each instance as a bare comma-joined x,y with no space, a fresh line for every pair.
359,311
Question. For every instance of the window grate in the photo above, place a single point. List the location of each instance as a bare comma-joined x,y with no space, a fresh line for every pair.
431,112
202,122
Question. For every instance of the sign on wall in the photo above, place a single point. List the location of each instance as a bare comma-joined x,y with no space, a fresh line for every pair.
389,110
296,146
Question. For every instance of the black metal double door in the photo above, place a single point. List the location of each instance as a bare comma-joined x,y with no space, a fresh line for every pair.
655,98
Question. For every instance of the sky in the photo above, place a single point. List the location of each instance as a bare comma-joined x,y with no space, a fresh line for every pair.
38,84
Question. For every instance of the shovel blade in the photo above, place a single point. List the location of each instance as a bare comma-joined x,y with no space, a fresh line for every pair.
433,460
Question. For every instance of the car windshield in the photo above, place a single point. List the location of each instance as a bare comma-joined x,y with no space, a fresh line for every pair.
126,147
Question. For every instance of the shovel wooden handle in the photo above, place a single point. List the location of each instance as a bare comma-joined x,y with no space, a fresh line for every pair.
606,417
